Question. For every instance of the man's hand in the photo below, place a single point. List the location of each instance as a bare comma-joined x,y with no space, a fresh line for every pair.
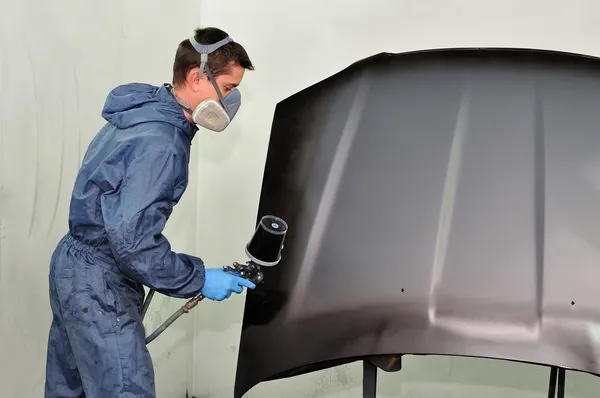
219,284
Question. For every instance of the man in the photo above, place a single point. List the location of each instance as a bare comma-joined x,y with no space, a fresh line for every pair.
134,172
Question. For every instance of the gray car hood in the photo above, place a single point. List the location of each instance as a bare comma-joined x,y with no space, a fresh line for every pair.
440,202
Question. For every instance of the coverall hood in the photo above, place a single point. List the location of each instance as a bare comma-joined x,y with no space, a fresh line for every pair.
131,104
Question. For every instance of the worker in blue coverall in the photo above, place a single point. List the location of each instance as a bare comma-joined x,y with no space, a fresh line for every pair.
133,173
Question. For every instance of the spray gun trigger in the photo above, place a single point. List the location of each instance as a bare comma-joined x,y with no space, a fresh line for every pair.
249,271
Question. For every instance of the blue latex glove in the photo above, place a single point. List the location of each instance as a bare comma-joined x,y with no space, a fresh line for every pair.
219,284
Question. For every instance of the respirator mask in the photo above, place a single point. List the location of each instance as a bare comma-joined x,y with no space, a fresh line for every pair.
212,114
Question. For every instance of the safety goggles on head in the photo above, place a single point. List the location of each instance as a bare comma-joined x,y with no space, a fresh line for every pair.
212,114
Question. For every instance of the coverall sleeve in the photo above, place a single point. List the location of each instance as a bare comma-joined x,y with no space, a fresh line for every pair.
135,215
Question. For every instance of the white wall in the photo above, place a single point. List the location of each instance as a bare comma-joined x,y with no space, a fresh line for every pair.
59,59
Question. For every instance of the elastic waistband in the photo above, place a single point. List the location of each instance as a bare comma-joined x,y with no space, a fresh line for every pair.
83,247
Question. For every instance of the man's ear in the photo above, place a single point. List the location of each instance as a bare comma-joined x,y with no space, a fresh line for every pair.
193,78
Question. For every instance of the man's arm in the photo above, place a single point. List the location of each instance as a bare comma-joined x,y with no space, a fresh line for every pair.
135,215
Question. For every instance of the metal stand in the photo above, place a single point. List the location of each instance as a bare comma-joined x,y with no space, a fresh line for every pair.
556,385
387,363
369,380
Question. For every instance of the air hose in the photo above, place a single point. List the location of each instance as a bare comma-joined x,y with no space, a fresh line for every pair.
263,250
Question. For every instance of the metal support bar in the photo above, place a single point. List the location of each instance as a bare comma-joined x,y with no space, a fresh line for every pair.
557,378
560,393
369,380
552,382
556,384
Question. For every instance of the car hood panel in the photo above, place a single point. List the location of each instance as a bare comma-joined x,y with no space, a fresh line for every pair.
441,202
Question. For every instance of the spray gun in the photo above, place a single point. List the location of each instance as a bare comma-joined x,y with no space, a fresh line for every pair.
263,250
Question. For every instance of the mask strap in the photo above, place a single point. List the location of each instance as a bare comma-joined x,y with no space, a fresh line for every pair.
205,49
186,107
214,84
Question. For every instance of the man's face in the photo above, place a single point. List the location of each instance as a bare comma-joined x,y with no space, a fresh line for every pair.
203,88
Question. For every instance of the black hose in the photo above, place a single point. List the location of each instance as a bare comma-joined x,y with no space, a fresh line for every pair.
183,310
165,325
147,303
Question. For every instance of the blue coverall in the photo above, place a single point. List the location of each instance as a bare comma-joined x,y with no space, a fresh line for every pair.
133,173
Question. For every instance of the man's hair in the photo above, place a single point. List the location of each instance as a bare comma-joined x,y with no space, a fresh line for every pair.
219,61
